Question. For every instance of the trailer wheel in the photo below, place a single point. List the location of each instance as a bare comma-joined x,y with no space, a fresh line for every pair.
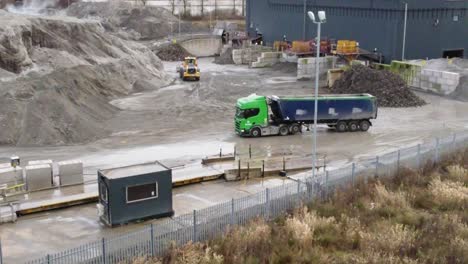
255,132
364,125
353,126
295,128
283,130
341,126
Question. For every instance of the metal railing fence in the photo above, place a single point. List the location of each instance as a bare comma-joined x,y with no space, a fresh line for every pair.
200,225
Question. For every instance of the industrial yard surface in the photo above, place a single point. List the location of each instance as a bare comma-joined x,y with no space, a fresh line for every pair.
97,83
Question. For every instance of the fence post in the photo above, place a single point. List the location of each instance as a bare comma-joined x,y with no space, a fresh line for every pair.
263,168
398,162
239,169
419,156
103,250
326,184
298,192
284,164
377,166
235,151
353,171
195,226
437,150
152,240
48,259
250,151
220,152
1,254
232,211
454,139
267,203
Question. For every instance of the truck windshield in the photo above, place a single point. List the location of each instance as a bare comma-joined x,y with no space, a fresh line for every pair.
246,113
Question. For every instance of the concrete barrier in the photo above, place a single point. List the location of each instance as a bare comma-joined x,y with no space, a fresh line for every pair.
306,66
70,172
11,176
38,177
440,82
203,47
267,59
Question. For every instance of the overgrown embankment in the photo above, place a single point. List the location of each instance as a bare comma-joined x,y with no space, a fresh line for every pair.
414,217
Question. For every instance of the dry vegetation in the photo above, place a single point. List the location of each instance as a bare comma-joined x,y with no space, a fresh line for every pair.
415,217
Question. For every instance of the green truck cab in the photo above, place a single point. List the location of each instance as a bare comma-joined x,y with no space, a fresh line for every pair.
251,111
283,115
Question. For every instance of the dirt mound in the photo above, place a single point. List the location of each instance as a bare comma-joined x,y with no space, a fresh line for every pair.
131,21
172,52
225,58
57,75
389,88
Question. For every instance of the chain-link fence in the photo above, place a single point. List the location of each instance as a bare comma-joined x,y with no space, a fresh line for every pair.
200,225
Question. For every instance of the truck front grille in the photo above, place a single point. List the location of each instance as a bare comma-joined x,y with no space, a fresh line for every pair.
192,71
237,123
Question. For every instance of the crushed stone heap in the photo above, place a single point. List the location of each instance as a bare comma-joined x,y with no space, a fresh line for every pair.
57,75
389,89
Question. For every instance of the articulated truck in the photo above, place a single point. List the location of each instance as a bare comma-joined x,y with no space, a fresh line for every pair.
277,115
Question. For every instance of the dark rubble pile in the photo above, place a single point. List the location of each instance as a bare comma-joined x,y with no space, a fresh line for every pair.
389,89
172,52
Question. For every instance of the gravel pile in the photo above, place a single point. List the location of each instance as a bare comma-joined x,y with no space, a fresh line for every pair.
173,52
225,58
389,88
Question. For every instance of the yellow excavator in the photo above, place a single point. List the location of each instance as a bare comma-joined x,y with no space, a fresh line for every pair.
189,69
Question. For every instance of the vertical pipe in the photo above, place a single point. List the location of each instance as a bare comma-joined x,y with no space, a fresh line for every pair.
263,170
179,23
48,259
239,168
195,226
304,22
437,150
404,33
152,240
284,164
250,151
353,171
314,154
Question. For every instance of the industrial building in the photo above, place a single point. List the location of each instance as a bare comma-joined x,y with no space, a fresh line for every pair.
434,28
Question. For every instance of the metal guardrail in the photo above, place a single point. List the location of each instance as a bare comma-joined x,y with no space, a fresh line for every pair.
200,225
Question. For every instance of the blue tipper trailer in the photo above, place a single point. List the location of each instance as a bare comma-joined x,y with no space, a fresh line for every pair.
134,193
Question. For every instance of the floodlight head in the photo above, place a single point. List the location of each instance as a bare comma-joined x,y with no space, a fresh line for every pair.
311,16
322,16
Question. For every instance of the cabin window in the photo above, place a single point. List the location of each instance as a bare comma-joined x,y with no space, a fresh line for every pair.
251,112
142,192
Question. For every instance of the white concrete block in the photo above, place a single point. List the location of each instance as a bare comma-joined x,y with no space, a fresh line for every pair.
38,176
11,176
70,172
38,162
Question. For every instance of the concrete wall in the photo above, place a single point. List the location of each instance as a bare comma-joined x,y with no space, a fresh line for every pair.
267,59
433,25
440,82
203,47
306,67
248,55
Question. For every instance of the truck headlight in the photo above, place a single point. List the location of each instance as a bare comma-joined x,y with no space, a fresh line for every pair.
242,130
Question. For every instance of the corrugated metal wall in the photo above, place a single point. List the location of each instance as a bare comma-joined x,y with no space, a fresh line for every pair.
433,25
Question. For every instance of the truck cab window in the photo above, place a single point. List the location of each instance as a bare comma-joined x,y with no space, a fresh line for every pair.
251,112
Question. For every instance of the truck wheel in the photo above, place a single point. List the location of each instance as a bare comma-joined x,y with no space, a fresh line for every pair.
364,125
341,126
295,128
283,130
255,132
353,126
